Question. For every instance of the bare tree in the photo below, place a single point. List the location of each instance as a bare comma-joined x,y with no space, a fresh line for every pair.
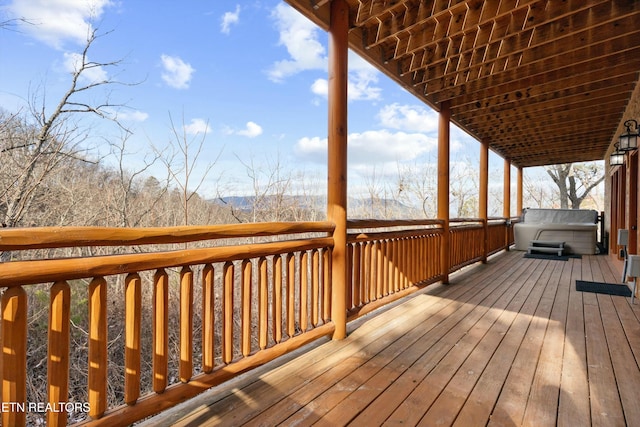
270,185
539,193
463,188
417,184
132,203
182,162
575,181
53,137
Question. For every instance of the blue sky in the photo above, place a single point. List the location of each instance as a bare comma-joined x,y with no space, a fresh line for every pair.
248,76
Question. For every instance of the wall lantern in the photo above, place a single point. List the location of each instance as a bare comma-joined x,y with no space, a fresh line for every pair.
629,141
617,157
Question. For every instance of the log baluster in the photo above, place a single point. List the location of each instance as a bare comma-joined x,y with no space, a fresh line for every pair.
247,268
304,291
277,298
263,303
315,287
291,303
98,361
160,330
133,303
326,285
186,324
227,313
58,352
208,316
13,341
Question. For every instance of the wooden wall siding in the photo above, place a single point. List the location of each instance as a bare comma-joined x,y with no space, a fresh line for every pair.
238,304
525,76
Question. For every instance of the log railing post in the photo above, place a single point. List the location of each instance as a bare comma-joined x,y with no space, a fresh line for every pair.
506,208
337,157
483,203
519,195
443,187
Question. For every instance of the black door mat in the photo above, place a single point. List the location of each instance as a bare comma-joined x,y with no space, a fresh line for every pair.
603,288
551,257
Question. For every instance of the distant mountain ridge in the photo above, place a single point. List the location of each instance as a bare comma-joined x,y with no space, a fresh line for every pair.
360,207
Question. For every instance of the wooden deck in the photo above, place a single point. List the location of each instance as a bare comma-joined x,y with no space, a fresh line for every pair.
509,343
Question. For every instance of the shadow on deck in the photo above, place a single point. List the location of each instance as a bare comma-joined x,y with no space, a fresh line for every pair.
508,343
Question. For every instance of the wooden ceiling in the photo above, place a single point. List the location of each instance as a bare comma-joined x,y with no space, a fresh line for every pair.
544,81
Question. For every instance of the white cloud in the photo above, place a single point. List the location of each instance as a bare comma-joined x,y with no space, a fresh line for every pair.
320,87
56,21
228,19
177,73
133,116
197,126
93,74
251,131
362,81
371,147
410,118
301,39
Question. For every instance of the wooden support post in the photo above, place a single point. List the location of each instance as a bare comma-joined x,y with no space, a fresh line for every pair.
483,203
506,208
337,161
520,192
443,186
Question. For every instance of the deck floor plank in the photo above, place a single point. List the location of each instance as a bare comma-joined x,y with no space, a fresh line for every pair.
436,327
624,363
485,394
446,408
316,401
509,343
429,388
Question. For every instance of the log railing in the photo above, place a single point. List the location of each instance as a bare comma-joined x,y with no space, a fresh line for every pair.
388,259
196,305
466,242
236,307
385,265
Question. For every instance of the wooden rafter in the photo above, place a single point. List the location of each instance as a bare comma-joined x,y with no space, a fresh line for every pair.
543,81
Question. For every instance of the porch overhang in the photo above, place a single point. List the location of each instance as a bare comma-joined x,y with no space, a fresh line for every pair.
543,82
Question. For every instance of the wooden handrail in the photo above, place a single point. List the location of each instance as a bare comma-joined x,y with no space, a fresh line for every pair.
42,271
388,223
13,239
